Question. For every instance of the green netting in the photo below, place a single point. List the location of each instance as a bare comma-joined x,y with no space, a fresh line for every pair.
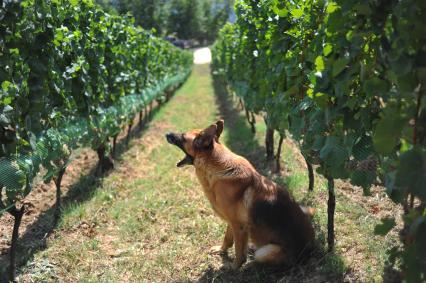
52,149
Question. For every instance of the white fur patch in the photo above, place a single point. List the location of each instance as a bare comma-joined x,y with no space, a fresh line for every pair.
267,253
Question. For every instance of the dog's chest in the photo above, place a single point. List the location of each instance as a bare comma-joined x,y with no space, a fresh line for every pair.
207,181
205,177
228,207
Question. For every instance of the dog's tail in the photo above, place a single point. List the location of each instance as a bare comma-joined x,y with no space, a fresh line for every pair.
309,211
271,254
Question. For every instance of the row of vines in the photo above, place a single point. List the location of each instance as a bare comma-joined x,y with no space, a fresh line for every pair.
71,75
347,80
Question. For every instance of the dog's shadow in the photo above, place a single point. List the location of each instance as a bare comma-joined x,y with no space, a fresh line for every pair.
309,271
249,272
238,135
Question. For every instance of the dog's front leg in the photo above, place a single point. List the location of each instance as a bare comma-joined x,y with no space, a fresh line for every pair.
228,241
240,238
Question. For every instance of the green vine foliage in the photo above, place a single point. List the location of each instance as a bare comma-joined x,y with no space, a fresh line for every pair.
347,79
71,75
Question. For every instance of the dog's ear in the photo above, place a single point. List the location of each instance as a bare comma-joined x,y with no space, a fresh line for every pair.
205,138
219,130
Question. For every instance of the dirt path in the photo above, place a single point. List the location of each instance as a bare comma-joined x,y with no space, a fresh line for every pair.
148,221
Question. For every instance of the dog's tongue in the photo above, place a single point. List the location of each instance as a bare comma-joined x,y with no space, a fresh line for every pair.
186,161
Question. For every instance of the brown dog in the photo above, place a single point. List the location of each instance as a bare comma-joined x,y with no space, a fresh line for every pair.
254,207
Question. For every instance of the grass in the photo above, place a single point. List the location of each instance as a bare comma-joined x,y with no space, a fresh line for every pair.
148,221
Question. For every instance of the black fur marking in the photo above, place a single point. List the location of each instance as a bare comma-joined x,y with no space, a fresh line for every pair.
284,216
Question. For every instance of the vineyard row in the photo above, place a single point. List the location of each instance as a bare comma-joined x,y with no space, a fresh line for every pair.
347,80
72,75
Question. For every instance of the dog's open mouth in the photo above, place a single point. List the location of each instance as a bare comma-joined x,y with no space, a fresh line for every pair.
188,160
178,140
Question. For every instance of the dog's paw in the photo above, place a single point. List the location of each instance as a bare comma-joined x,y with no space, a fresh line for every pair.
251,248
217,250
235,265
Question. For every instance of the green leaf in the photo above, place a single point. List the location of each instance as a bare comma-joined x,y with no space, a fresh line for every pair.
12,177
5,85
321,99
14,51
328,48
7,100
407,82
279,9
388,131
411,172
319,64
318,143
401,65
363,9
297,13
331,7
375,86
421,75
4,120
333,153
339,65
384,227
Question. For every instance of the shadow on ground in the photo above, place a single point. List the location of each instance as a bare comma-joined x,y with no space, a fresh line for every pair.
36,235
241,140
239,137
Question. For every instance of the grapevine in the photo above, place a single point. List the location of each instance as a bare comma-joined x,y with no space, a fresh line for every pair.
71,75
346,80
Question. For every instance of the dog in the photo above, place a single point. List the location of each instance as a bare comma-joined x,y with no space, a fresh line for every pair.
254,208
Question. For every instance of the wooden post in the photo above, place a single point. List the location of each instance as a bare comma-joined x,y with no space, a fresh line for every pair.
129,131
58,205
331,205
140,120
241,104
278,155
105,162
311,175
269,144
114,146
17,215
253,123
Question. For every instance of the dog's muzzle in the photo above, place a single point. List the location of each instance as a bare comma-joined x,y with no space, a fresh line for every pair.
174,139
178,140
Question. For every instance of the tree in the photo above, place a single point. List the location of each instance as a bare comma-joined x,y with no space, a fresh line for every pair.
187,19
184,19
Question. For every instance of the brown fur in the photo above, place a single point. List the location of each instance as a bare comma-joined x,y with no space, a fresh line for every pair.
254,207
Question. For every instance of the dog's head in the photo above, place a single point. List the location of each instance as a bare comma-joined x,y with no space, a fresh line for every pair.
195,142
